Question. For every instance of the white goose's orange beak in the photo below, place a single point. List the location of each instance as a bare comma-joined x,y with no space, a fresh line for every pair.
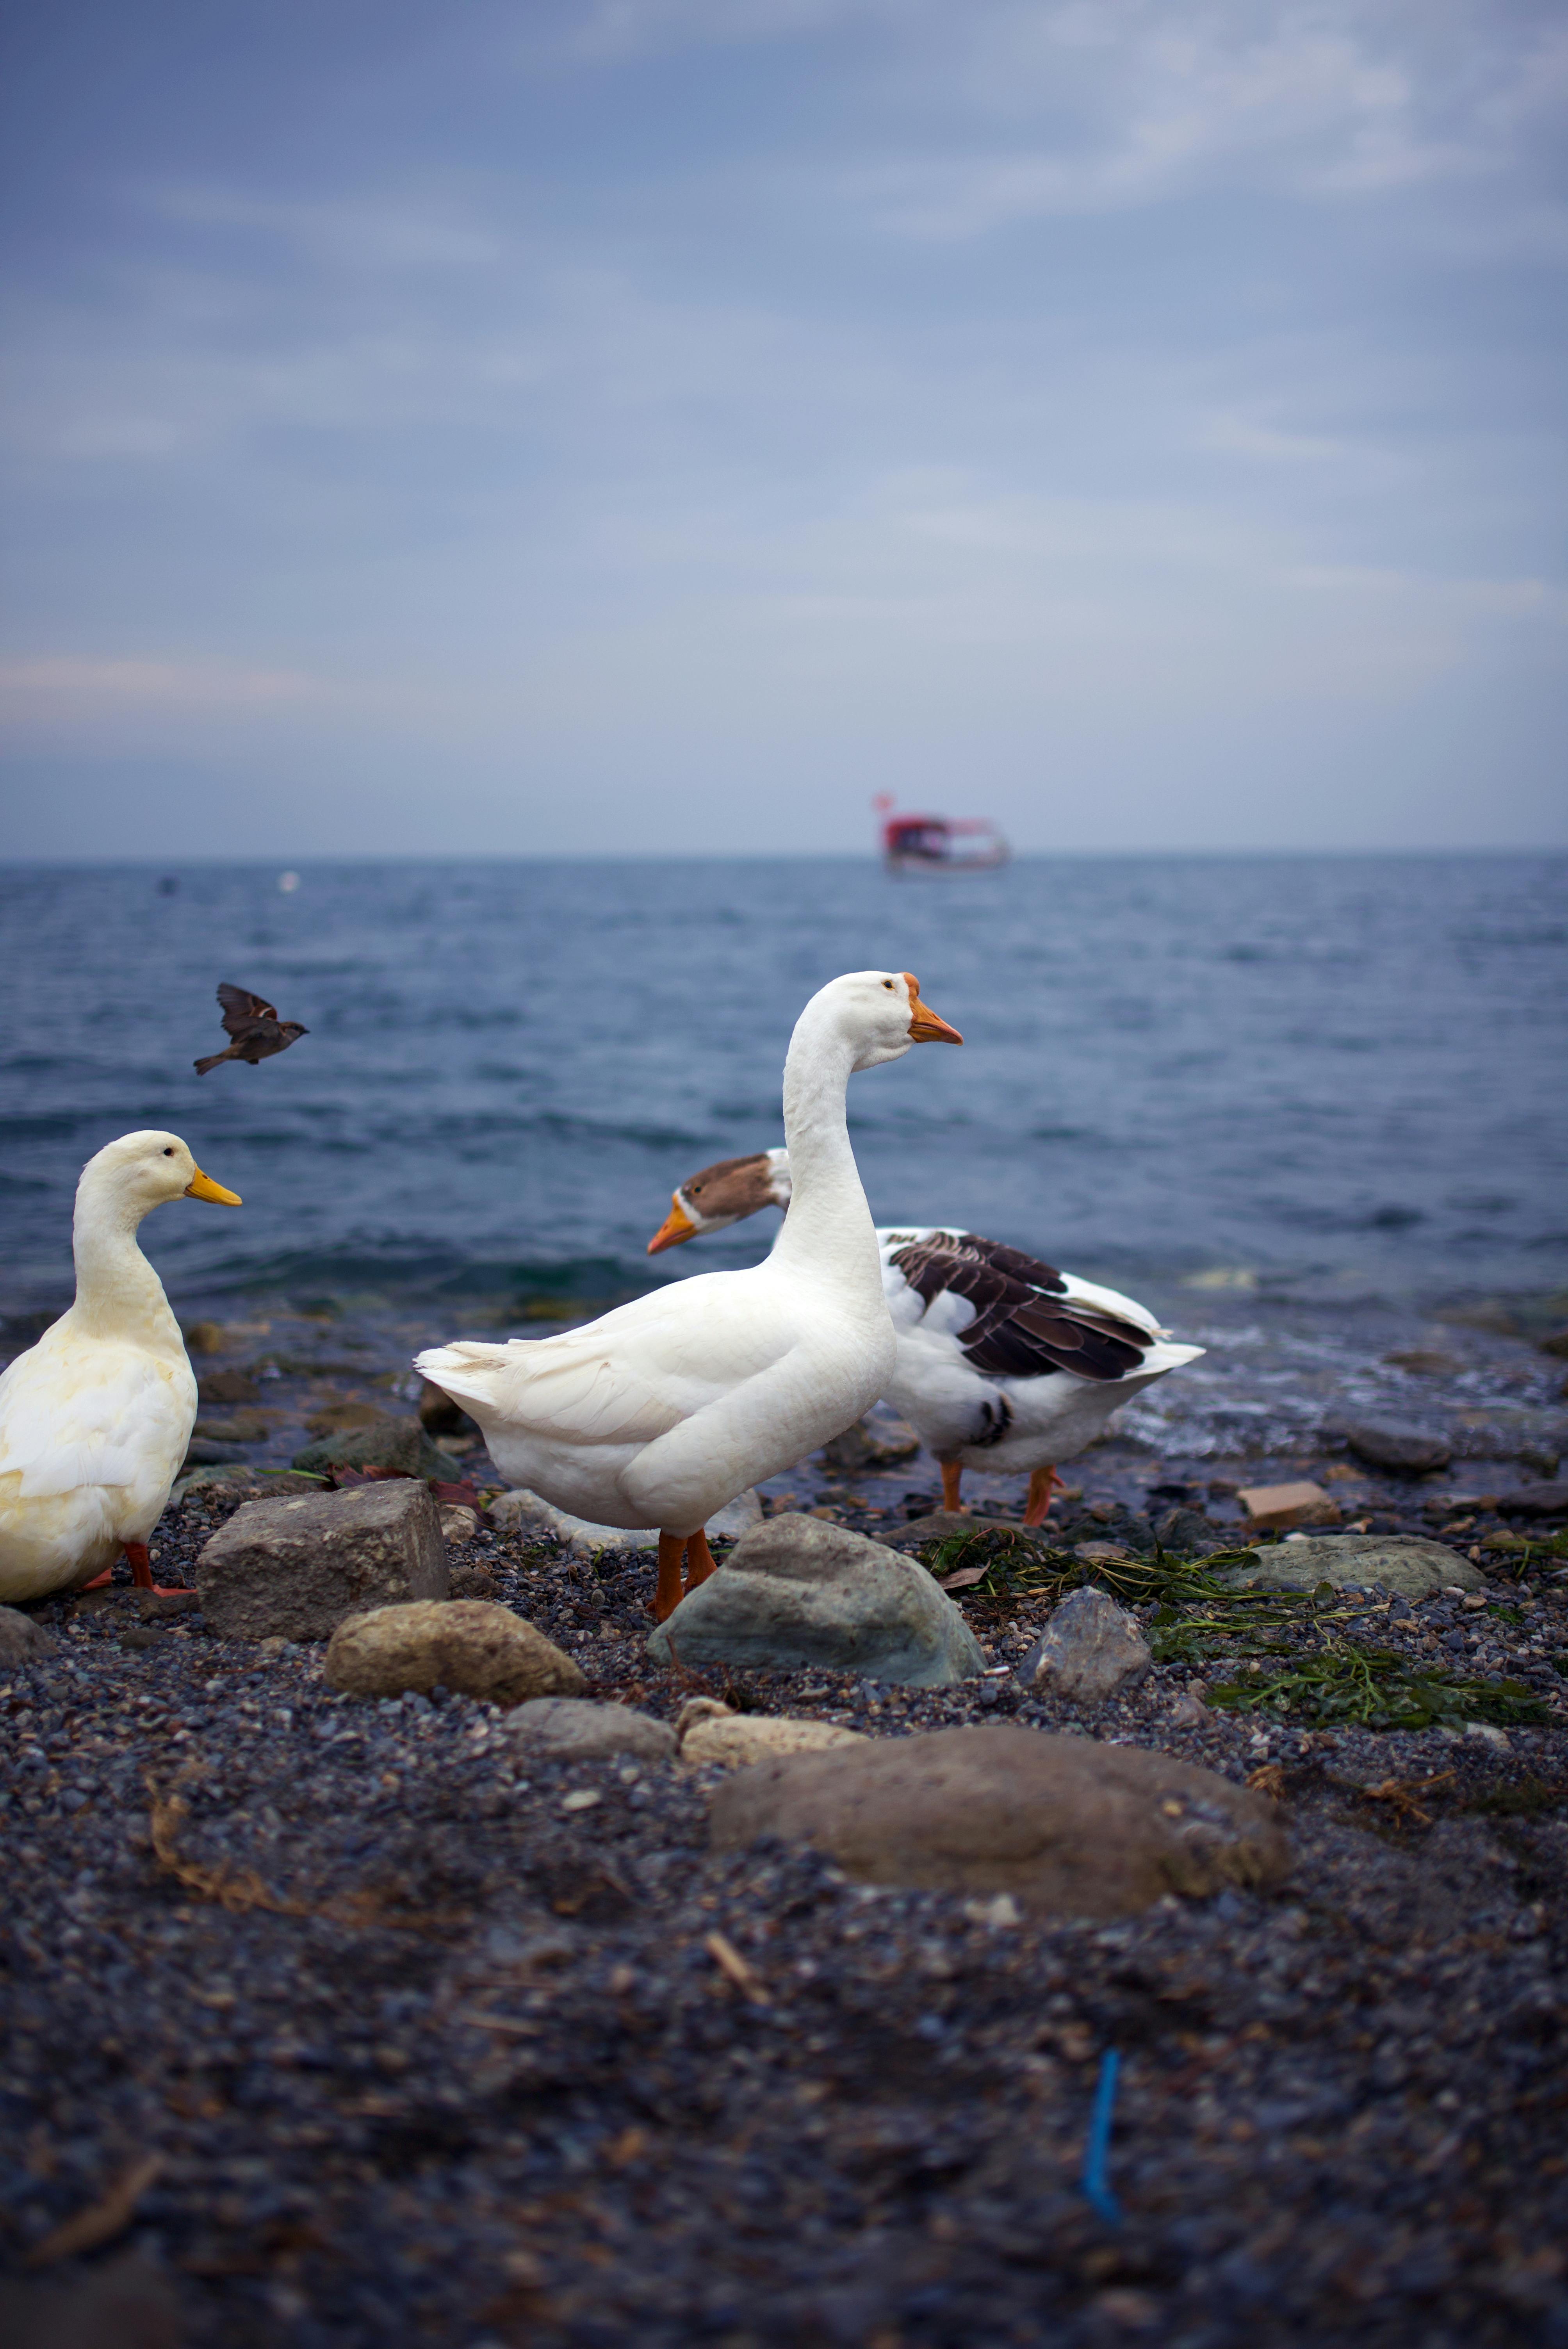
923,1024
202,1186
676,1226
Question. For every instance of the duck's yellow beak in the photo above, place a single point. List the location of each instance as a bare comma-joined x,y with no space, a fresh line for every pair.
923,1024
676,1226
202,1186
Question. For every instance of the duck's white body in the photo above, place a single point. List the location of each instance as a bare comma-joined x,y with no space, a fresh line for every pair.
1003,1363
95,1420
663,1410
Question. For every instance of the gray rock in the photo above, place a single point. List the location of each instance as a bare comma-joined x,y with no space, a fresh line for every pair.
1068,1827
391,1443
227,1387
294,1569
200,1453
525,1512
1406,1563
1403,1449
22,1640
472,1645
1189,1533
1546,1500
1089,1649
868,1444
798,1591
570,1729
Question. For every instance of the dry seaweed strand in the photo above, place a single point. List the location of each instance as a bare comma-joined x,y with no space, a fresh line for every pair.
238,1889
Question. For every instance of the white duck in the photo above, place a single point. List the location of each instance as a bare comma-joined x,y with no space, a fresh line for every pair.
1004,1363
96,1418
661,1411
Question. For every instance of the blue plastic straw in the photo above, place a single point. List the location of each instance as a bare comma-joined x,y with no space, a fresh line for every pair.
1096,2153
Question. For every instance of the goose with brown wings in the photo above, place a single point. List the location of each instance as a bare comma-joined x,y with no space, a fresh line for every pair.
1003,1363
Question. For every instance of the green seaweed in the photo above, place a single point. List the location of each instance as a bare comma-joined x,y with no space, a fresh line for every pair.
1343,1684
1318,1673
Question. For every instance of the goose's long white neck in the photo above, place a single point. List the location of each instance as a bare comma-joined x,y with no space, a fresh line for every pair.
117,1293
828,1225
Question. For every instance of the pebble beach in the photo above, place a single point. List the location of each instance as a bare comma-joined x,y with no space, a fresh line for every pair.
346,2021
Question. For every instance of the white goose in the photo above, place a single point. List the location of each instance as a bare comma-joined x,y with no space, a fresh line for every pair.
658,1413
96,1418
1004,1363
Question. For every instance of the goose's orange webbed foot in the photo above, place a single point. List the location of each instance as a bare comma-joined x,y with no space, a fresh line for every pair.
700,1560
951,1480
1044,1484
669,1594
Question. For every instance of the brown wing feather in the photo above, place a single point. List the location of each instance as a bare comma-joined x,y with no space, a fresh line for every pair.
1018,1331
240,1007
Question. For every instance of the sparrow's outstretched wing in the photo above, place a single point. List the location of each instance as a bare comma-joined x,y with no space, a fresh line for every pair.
241,1007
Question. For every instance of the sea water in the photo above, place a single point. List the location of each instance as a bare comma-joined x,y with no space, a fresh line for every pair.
1298,1102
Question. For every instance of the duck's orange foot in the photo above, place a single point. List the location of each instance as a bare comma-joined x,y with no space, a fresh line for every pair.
1044,1484
952,1481
142,1574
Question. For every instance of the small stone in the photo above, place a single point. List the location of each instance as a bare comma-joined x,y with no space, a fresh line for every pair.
1187,1711
581,1798
337,1418
1189,1533
401,1443
22,1640
227,1387
205,1338
1065,1826
459,1523
1544,1500
239,1427
472,1645
1405,1450
577,1731
797,1593
1270,1508
735,1740
1089,1649
474,1581
1406,1563
868,1446
295,1567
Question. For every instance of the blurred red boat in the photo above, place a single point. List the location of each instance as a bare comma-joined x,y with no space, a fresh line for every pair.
938,844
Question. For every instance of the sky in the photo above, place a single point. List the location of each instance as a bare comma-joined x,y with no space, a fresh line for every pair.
585,427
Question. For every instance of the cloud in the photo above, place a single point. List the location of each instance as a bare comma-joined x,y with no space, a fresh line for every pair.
68,677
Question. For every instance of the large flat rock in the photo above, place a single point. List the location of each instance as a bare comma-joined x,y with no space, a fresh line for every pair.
294,1569
799,1592
1068,1826
1406,1563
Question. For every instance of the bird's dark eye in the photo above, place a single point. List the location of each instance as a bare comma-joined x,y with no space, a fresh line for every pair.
888,985
168,1153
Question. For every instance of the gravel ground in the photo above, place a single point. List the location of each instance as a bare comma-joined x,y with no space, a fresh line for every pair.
397,2036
